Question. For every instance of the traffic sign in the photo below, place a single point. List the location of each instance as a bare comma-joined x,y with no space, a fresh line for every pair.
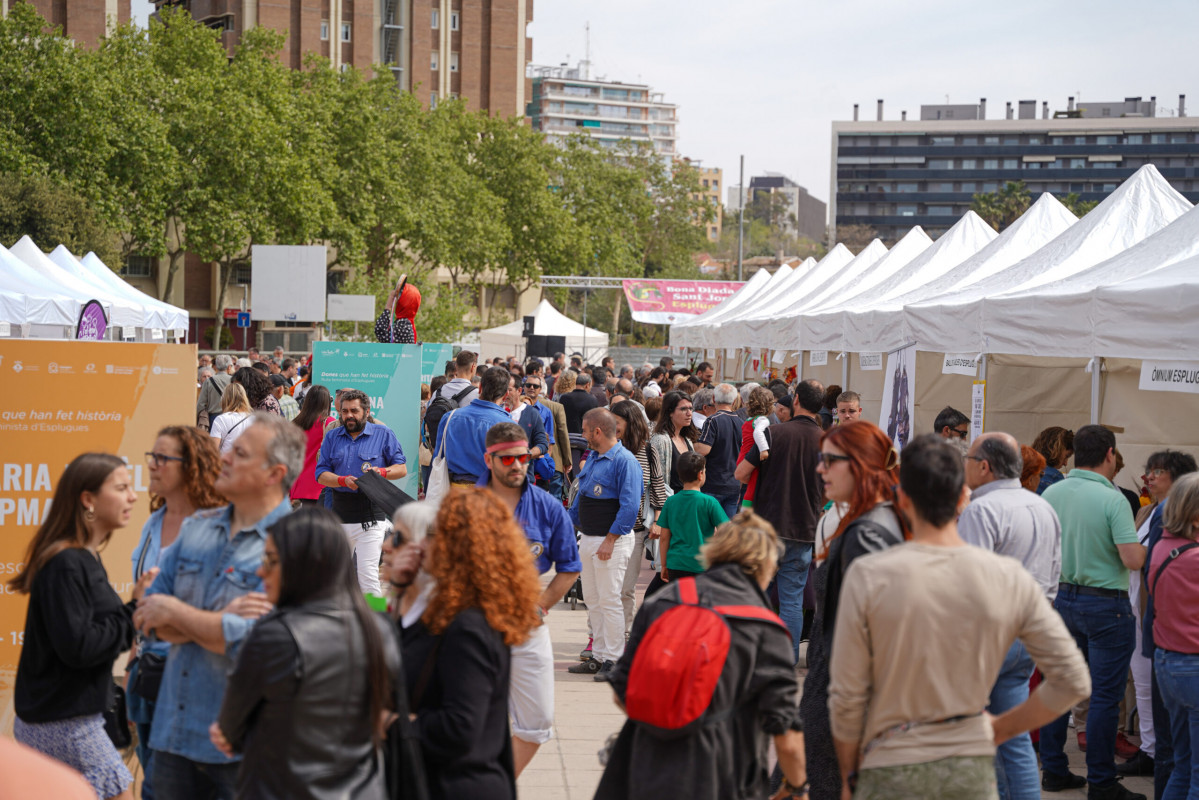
243,319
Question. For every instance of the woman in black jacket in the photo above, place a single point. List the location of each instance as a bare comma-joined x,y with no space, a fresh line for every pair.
306,699
457,654
860,468
76,625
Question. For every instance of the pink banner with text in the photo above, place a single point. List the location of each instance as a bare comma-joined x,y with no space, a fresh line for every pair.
666,301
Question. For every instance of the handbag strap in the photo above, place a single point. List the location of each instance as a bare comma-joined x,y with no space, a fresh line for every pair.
1175,553
441,445
141,559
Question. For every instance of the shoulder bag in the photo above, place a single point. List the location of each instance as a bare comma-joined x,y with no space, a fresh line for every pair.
439,473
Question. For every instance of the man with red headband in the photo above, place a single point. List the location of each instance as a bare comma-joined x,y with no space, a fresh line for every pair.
404,302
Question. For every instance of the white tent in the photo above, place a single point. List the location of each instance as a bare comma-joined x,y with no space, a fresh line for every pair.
120,312
157,314
764,327
684,334
507,340
704,335
45,304
854,326
955,322
718,334
1069,321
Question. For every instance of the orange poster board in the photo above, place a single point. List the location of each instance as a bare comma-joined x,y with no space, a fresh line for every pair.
60,399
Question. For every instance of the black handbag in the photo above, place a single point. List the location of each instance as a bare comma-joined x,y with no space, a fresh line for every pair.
148,678
402,757
116,719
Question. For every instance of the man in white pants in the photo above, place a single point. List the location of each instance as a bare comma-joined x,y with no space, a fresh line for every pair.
552,541
348,451
604,510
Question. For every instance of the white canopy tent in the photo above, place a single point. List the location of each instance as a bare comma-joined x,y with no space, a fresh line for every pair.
954,322
45,304
703,335
120,312
507,340
765,328
851,325
684,334
157,314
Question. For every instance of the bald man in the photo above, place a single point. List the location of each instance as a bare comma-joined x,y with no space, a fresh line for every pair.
1007,519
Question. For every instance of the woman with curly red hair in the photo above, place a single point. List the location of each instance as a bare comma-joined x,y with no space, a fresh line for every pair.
456,656
860,468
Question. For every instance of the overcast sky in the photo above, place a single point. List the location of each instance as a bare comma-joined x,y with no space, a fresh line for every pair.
766,78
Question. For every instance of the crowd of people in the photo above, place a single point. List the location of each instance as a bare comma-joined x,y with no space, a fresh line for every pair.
961,601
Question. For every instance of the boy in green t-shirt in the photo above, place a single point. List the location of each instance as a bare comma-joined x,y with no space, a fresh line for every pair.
687,520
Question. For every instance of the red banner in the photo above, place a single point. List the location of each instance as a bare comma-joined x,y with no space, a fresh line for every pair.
666,301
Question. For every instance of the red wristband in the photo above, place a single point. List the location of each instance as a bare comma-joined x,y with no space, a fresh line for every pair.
341,480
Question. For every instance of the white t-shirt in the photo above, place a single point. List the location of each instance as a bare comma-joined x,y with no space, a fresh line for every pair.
228,427
651,389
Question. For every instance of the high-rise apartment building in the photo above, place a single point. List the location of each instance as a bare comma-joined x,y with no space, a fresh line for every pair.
893,174
566,100
85,21
801,214
474,49
711,179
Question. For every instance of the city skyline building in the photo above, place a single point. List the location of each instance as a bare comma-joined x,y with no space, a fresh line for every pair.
85,22
891,175
803,215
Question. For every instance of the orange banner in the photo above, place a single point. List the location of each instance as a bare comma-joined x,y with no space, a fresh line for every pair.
60,399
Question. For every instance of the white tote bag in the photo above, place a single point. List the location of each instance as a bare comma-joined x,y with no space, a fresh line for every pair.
439,474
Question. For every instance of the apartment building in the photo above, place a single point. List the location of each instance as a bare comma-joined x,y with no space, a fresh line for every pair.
802,214
711,179
893,174
85,21
566,100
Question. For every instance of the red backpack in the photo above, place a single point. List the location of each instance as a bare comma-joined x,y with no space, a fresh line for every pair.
679,661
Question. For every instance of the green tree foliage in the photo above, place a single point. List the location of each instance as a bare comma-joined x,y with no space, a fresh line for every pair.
1003,207
38,206
1077,207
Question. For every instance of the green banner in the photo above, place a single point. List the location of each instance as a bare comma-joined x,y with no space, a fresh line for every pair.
390,374
433,357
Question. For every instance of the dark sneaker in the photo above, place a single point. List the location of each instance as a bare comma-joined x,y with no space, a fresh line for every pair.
1140,764
1052,782
586,652
605,671
588,667
1111,791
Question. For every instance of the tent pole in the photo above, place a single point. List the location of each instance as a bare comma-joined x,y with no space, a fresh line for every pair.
585,359
844,371
1096,369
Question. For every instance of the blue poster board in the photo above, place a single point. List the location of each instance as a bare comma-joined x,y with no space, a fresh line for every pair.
433,358
390,374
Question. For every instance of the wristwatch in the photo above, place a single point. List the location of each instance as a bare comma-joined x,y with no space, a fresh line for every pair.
795,791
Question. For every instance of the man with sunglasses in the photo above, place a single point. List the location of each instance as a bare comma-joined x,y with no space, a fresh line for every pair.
954,426
553,419
552,542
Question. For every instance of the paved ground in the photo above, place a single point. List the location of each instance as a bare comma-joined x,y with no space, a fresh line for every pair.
567,768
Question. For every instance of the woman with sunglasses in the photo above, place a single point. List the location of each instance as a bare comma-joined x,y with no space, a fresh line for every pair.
860,468
673,435
183,466
308,696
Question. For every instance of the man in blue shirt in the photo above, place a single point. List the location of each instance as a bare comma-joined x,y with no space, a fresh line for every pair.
604,510
552,541
347,452
466,428
205,600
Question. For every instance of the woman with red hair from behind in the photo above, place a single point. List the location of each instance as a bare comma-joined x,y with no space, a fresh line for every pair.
456,657
860,468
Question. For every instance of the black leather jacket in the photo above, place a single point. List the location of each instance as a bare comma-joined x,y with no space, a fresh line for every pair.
297,706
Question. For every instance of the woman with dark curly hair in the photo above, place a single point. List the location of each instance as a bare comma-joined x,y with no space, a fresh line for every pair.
183,466
258,390
860,469
456,656
1056,445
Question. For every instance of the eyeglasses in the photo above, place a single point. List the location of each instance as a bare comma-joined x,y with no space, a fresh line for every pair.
1156,473
828,459
508,460
159,459
532,385
269,561
687,409
961,434
980,459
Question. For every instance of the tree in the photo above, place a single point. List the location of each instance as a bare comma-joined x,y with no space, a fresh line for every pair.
51,213
1076,206
856,237
1003,207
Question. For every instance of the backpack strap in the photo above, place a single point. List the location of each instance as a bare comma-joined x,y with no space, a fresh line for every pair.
687,592
1175,553
752,612
458,397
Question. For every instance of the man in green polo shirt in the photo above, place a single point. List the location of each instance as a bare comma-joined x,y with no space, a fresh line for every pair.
1099,547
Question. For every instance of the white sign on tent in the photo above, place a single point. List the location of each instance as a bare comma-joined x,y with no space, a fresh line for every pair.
1170,376
959,364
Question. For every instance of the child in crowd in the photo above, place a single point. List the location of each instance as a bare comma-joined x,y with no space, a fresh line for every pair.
753,432
687,520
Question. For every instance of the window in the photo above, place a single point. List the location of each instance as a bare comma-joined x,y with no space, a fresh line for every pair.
905,187
944,187
943,140
705,183
453,20
1080,140
906,211
1107,187
1035,140
1078,163
436,19
969,163
940,163
1033,165
969,186
1108,164
324,30
940,211
242,275
345,31
715,184
453,62
1011,163
1057,140
139,267
1157,138
969,141
990,163
1179,138
988,188
1011,140
990,140
434,61
1105,140
1134,138
1078,187
432,100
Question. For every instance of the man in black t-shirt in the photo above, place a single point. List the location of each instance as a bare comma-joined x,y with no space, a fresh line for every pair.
720,441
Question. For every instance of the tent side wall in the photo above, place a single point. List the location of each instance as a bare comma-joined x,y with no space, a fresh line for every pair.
1028,394
935,390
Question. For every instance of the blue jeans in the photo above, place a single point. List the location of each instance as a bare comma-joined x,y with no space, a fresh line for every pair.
556,485
1163,759
1103,628
1015,762
791,579
1178,677
731,503
181,778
